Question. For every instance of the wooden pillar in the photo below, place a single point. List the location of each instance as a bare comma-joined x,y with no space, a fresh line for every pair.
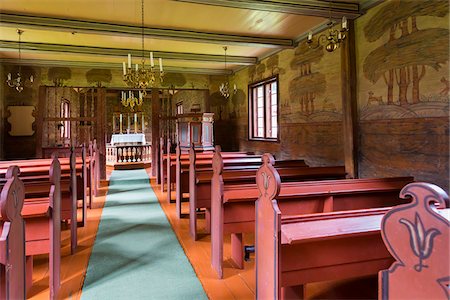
155,130
206,101
101,130
349,103
41,108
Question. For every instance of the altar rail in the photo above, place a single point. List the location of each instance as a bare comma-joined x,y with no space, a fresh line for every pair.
128,154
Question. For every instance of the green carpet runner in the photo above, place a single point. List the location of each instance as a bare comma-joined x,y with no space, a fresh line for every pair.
136,254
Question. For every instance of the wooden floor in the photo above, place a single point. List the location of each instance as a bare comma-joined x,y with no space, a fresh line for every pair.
237,284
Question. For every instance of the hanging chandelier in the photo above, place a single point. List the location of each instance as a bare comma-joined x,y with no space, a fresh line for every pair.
131,101
18,83
141,77
333,38
224,88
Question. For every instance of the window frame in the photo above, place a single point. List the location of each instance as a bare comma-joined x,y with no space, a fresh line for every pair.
251,109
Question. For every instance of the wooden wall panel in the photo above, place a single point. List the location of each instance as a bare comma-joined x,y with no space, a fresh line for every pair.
417,147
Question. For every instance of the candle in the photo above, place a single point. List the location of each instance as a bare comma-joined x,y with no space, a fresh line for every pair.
310,36
129,60
124,68
152,63
129,93
120,118
344,22
135,118
160,64
31,78
137,67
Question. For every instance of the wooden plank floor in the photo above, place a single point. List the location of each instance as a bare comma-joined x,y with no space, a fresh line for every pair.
237,284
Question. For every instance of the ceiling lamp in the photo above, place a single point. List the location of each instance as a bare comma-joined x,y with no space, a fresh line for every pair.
334,37
141,77
17,82
131,101
224,88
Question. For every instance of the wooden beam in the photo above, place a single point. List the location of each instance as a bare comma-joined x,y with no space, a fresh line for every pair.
121,52
318,8
155,129
349,103
101,65
91,27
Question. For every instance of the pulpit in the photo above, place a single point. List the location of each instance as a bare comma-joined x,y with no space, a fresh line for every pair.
196,128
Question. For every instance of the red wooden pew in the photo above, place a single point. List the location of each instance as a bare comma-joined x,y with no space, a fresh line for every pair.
41,213
233,198
418,237
34,173
12,239
296,245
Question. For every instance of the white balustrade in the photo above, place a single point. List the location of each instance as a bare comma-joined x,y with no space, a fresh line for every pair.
128,153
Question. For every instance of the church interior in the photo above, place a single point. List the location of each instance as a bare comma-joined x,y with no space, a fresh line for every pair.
220,149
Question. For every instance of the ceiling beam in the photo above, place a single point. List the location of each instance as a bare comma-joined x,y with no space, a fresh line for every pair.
318,8
101,65
120,52
84,26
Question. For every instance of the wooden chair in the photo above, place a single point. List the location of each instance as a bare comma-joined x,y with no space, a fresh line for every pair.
418,237
12,239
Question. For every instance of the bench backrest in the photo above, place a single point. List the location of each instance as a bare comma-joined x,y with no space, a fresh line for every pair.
12,254
418,237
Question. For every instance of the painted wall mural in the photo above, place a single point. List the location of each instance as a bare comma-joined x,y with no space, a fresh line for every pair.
409,54
403,90
310,105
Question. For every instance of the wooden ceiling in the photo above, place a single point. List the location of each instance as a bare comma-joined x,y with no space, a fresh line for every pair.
188,34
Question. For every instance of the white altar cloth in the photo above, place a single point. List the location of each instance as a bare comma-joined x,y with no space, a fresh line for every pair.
132,138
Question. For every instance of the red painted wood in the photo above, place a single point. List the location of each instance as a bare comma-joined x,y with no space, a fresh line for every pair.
12,239
268,224
418,237
74,206
192,195
168,173
294,248
217,218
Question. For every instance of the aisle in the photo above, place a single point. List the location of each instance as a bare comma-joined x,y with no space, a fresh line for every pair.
136,254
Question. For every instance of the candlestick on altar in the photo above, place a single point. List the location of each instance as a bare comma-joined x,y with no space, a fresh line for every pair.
135,123
143,124
120,123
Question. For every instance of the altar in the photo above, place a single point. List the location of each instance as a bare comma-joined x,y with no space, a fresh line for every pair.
129,139
129,150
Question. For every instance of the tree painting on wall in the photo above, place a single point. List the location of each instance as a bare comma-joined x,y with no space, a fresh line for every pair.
309,83
409,52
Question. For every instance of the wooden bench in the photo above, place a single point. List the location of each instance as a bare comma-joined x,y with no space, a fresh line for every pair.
178,170
233,198
418,237
73,183
43,226
296,245
12,239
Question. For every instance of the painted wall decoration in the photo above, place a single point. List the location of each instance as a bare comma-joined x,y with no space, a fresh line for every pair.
21,119
310,105
99,77
402,51
58,75
405,63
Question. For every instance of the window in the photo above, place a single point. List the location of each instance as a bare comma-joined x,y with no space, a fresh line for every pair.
64,127
263,110
180,110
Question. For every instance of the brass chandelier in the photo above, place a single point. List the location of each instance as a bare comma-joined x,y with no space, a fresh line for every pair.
333,39
129,99
18,83
141,77
224,88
